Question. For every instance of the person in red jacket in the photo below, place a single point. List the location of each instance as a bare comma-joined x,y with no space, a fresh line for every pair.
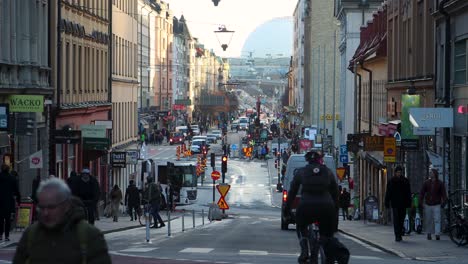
433,195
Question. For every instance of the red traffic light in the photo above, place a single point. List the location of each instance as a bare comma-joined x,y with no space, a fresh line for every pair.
224,159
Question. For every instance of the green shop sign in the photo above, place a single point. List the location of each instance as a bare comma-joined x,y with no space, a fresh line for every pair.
96,143
26,103
407,102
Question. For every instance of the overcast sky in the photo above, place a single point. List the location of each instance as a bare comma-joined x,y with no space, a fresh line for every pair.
241,16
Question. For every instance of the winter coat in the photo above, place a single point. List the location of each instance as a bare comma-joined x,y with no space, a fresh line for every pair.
153,193
62,244
345,199
116,198
132,196
88,192
8,191
398,193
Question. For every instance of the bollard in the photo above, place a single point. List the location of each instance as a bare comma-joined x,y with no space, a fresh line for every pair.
168,223
183,220
193,214
203,216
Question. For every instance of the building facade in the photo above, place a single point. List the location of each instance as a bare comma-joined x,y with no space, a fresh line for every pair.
82,85
25,75
452,92
411,75
124,83
324,70
352,14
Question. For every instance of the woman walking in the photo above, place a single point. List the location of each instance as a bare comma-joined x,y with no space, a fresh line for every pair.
116,198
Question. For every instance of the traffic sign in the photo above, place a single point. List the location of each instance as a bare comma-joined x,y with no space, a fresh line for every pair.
389,149
215,175
234,147
340,172
344,159
343,150
223,189
222,203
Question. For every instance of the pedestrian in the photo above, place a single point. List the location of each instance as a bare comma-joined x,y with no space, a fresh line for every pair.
116,199
344,201
433,195
285,156
88,192
398,197
73,181
9,192
153,196
132,200
61,235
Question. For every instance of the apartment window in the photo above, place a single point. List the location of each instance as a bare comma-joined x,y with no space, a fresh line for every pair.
460,62
67,66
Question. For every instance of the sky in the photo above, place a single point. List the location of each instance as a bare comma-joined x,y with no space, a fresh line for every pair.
241,16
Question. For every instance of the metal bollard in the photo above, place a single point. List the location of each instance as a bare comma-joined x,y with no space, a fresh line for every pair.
193,216
168,223
203,216
183,220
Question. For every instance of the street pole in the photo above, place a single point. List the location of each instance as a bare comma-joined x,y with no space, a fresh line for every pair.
324,95
334,91
318,89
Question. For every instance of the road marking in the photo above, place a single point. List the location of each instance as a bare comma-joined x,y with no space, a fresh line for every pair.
196,250
253,252
137,250
365,257
362,243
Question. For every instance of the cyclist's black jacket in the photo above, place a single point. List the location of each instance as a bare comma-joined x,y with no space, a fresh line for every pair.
318,187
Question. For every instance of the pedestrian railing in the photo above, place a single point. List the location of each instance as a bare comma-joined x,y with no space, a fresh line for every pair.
189,219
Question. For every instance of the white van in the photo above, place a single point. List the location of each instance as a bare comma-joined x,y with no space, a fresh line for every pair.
297,161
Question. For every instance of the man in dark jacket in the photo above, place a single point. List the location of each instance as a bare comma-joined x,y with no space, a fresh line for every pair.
132,199
344,201
398,197
8,192
87,189
62,234
153,196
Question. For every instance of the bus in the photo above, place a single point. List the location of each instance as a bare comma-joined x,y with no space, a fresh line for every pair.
183,180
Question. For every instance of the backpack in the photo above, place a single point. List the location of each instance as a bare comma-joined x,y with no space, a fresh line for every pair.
336,251
81,232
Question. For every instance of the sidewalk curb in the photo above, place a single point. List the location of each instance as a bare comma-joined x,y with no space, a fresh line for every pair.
371,243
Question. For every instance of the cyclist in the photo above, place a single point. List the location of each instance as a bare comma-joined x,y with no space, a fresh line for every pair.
318,202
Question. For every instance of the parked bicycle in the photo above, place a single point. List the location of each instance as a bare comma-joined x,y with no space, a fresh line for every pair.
458,231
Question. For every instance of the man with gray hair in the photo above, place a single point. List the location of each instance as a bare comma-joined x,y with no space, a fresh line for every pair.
62,234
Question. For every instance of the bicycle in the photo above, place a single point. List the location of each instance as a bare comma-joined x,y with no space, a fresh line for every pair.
458,232
316,251
144,210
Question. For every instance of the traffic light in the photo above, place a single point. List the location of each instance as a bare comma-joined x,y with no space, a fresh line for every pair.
224,160
204,150
213,160
276,163
25,126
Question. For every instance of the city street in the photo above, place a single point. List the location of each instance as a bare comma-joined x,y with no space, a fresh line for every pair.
250,234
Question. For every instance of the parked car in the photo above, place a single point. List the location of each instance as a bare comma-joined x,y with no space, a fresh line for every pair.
176,138
296,161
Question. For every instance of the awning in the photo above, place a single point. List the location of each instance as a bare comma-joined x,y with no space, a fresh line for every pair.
375,157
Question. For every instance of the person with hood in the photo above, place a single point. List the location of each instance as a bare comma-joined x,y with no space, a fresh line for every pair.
116,199
398,197
87,189
61,235
9,192
132,200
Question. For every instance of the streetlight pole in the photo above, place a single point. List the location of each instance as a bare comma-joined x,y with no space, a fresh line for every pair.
324,93
334,89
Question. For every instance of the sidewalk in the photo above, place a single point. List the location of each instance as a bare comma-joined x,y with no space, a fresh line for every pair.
106,225
414,246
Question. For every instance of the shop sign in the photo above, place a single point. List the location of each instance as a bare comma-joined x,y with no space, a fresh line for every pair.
4,114
389,149
66,136
93,131
407,102
178,107
133,156
431,117
119,159
101,144
26,103
410,144
373,143
106,123
424,131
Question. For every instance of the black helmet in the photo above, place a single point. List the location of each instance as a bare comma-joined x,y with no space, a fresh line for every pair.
313,156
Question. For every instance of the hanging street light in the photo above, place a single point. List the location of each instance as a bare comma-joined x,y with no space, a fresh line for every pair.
216,2
224,36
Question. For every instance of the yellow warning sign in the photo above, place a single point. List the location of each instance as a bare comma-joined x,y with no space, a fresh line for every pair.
340,172
223,189
222,203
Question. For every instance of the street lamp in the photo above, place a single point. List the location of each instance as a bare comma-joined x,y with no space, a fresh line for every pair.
224,36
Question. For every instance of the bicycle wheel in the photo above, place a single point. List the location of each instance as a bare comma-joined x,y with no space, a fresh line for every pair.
457,235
